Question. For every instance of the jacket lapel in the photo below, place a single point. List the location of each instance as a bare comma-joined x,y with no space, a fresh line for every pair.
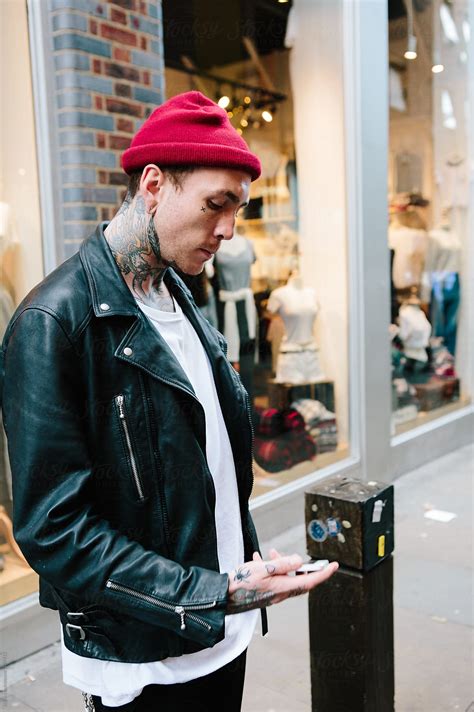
144,347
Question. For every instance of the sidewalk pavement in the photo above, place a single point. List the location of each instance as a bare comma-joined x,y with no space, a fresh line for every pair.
433,611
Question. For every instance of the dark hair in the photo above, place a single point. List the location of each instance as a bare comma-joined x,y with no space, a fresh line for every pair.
176,174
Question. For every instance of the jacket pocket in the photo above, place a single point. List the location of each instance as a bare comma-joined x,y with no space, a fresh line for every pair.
127,441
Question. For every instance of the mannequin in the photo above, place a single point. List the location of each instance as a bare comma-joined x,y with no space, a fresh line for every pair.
408,238
440,283
298,359
236,311
414,332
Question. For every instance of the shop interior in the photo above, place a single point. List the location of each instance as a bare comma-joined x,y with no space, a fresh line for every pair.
428,204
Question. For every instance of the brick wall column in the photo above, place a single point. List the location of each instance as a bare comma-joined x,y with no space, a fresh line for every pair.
109,76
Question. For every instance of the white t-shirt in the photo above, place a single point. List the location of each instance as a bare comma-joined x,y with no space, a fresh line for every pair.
119,683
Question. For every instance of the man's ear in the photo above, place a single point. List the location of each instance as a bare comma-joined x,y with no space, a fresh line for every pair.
151,183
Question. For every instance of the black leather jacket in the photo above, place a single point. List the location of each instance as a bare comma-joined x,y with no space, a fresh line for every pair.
112,495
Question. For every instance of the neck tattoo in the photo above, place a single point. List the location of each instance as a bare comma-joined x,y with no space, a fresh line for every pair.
135,246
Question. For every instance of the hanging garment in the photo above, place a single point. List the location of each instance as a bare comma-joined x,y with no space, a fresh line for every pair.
443,255
232,330
410,246
233,261
444,307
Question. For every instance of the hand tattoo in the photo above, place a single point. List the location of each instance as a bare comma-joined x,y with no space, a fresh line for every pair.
297,592
244,599
241,574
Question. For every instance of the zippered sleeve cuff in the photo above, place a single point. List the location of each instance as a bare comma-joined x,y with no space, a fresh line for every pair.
195,609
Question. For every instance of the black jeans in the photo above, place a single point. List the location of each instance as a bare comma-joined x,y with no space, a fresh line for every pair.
221,690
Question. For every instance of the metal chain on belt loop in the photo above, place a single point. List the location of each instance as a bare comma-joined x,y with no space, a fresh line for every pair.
88,702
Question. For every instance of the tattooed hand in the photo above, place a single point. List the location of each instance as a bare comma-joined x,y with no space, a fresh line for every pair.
258,583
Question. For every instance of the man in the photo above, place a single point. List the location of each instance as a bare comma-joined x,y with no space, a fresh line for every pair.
130,437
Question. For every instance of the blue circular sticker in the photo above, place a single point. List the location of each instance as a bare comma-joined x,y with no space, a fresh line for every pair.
317,530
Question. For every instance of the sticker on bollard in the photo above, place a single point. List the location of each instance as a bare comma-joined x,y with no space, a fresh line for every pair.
354,524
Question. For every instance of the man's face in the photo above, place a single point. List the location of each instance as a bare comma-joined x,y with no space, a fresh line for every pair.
192,221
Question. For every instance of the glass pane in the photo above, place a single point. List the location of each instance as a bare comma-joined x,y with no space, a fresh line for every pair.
429,202
277,290
20,246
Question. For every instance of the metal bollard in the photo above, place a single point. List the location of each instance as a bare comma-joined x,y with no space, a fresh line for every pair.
351,616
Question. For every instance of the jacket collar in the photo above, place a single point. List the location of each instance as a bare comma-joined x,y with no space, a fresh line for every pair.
111,296
109,291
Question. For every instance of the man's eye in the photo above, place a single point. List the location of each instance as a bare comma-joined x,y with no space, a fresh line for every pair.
214,206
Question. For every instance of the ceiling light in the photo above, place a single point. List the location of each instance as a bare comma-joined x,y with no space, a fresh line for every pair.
437,68
244,123
267,116
224,101
410,52
230,114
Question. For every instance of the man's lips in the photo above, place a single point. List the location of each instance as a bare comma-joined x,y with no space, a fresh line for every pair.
209,253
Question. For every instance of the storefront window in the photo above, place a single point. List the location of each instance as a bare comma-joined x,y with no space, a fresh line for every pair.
21,264
428,194
277,290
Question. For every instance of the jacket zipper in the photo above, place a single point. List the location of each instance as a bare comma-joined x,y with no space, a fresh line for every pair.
121,409
182,611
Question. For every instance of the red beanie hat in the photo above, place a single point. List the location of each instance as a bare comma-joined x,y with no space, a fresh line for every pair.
190,129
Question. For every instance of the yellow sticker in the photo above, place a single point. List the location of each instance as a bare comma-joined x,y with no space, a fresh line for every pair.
382,545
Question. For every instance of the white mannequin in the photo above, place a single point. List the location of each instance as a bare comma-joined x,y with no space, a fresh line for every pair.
415,330
298,359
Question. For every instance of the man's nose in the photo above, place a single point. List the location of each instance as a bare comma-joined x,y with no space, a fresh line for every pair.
225,227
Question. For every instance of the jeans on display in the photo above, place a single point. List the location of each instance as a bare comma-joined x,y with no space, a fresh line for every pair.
218,691
445,298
